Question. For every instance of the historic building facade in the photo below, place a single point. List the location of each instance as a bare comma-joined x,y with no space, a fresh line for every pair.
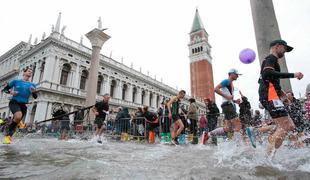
60,70
201,73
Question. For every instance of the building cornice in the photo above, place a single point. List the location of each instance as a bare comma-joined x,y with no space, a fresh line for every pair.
15,49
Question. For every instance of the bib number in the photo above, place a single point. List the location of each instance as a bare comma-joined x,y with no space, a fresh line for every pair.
277,103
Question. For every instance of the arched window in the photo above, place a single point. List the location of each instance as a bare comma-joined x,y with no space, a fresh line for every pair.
41,71
134,91
150,100
124,89
142,97
157,101
84,77
33,71
65,74
193,51
198,49
100,79
113,84
201,48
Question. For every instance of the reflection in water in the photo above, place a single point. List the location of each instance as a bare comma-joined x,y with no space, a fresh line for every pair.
30,158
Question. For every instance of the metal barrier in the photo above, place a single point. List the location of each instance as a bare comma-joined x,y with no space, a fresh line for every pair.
125,129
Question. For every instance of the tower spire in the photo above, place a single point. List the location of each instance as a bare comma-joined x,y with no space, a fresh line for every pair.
197,23
57,26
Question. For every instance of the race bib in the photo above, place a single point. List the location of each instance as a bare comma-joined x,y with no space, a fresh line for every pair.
277,103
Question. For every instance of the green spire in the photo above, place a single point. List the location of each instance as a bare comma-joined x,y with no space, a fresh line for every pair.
197,24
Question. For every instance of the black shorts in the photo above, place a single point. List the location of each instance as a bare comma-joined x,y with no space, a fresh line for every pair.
175,117
99,122
275,112
229,111
16,106
65,125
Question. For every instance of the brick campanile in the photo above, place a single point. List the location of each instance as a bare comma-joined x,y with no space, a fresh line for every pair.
202,85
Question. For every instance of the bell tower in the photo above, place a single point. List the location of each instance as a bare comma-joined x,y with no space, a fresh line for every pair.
202,85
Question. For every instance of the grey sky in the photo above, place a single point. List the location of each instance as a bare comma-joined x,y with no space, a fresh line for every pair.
154,34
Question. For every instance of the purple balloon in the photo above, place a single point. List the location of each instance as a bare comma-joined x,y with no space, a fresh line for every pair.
247,56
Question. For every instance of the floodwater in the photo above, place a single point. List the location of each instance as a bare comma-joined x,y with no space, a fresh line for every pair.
47,158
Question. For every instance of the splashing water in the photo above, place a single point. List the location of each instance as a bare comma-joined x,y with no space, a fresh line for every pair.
41,158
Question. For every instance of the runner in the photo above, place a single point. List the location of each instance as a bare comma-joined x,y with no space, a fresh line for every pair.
101,109
270,93
232,123
20,89
173,108
213,113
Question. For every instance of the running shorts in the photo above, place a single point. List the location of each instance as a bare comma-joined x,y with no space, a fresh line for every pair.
16,106
229,111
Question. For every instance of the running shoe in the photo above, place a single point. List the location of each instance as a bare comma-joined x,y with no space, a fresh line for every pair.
250,133
174,141
2,122
7,140
21,125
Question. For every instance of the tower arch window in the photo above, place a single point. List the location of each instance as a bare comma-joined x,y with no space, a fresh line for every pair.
84,77
193,51
65,74
201,49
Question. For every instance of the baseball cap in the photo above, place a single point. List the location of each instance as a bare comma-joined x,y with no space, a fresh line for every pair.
234,71
281,42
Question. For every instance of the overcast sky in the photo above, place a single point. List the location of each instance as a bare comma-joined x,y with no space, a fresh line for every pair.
154,34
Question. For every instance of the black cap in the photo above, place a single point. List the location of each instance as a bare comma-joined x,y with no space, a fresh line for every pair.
281,42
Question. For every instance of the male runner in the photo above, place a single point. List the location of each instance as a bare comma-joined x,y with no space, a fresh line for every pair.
173,109
232,122
270,92
20,89
101,109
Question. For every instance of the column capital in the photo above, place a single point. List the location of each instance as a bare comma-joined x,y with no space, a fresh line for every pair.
97,37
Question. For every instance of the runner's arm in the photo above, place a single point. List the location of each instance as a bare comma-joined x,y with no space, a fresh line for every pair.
269,72
217,89
6,89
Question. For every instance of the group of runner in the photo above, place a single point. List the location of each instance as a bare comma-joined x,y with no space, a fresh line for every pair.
270,96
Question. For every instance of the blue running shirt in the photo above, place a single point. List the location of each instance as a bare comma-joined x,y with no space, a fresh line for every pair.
227,88
23,89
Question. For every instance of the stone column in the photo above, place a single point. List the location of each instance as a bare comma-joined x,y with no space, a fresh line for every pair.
49,110
106,85
97,38
118,89
128,96
266,30
146,98
48,69
76,77
56,71
40,111
154,100
138,99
